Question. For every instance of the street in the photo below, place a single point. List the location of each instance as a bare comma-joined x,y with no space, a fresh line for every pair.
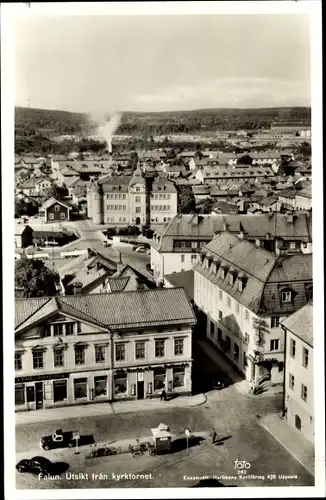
240,437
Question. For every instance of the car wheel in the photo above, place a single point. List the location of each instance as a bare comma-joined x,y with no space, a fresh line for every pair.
71,445
20,469
46,447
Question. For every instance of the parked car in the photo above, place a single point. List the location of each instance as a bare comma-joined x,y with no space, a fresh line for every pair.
58,439
35,465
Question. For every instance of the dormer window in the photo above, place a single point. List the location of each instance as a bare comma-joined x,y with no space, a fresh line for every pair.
286,296
223,272
231,279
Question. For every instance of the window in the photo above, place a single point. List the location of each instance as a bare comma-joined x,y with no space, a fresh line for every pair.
159,348
237,307
80,355
62,215
219,335
183,244
47,331
227,344
140,350
137,189
245,362
56,208
18,361
182,258
202,244
69,328
275,345
246,338
38,361
59,390
159,378
99,354
120,383
310,293
292,348
280,366
292,245
236,352
178,347
19,394
58,356
57,329
229,302
100,386
51,216
178,376
120,352
138,199
291,381
275,321
138,210
212,329
194,244
80,388
247,315
220,295
193,258
286,296
304,392
305,357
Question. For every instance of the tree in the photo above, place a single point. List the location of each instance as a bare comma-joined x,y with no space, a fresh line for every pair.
207,206
22,208
57,192
34,279
261,327
245,160
186,199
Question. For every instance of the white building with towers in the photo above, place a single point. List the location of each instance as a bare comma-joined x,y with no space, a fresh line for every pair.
130,200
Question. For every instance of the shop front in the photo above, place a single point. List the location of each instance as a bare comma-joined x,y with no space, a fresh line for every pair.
41,391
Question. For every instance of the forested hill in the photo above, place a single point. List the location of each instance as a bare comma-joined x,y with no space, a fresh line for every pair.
30,122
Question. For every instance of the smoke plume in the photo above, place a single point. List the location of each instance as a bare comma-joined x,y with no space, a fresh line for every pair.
108,129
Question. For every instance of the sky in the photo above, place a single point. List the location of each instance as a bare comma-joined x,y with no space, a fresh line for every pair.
158,63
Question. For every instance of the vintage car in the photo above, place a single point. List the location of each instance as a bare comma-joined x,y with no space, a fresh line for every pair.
59,439
35,465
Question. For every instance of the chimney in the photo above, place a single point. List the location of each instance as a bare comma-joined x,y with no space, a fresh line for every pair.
139,284
77,288
120,264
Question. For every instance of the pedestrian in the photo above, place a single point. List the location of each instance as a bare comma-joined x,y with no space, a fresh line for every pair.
163,395
213,436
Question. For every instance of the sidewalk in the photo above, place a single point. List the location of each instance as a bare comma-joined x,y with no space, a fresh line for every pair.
296,444
92,410
241,384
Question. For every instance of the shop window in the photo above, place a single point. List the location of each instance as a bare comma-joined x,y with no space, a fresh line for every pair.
159,348
80,388
58,354
38,359
159,378
120,352
99,354
101,386
178,347
140,350
120,383
19,394
236,352
80,355
227,344
18,361
59,390
178,376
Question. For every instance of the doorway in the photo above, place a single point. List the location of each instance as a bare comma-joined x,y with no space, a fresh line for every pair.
140,390
137,221
39,395
297,421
